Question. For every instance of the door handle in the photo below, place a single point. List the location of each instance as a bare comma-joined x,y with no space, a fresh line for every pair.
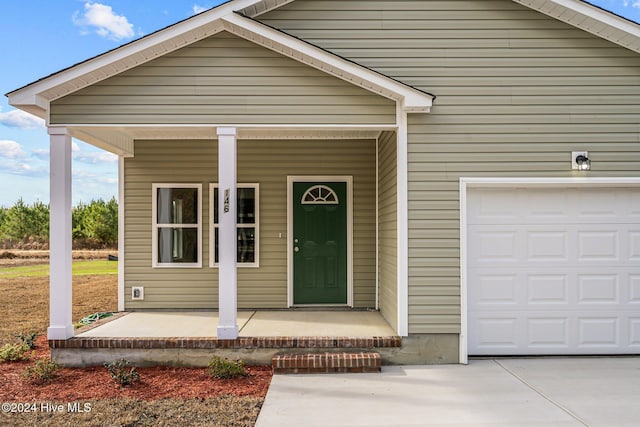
296,249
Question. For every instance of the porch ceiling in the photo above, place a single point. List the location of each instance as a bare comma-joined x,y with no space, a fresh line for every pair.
120,139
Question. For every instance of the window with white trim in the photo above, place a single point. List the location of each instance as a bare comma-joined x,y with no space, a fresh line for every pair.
177,225
247,225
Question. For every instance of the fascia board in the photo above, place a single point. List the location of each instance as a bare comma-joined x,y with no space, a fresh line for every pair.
583,13
133,54
412,100
42,92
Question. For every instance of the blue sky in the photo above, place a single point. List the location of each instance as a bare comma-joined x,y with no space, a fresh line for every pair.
41,37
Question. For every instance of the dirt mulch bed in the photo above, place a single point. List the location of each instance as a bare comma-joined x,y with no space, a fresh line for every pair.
164,396
158,382
223,411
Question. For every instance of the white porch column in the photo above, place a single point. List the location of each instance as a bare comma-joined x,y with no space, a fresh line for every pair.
227,237
60,238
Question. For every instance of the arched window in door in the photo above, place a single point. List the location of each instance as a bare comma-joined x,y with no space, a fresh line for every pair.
320,195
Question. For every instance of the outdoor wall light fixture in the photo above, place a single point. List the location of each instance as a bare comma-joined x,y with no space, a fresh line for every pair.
580,161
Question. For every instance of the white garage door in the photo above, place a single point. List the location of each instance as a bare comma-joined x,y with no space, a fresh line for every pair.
553,271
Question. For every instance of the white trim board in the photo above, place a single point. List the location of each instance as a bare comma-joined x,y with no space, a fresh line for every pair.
36,97
402,192
319,178
470,183
121,234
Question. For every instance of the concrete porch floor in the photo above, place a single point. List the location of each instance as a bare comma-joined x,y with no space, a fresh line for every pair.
254,323
188,338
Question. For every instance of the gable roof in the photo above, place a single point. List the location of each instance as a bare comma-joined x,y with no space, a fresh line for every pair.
590,18
35,97
579,13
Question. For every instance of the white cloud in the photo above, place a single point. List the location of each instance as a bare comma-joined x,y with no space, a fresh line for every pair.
105,22
21,120
198,9
41,153
22,168
94,158
636,4
11,150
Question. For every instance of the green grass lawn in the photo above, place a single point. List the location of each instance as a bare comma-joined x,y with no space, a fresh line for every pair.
80,268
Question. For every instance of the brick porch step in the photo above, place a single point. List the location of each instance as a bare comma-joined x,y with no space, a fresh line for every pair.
321,363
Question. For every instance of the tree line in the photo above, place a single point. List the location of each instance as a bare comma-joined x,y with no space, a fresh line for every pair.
95,225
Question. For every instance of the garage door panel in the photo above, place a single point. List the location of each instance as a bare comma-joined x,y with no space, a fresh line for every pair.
547,245
598,332
497,289
495,246
490,207
511,333
548,333
598,246
634,333
570,286
559,275
553,206
634,289
598,289
496,332
634,246
547,289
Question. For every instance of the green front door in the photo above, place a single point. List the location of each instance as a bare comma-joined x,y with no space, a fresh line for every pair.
320,243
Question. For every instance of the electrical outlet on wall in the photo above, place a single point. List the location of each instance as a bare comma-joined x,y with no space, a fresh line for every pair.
137,293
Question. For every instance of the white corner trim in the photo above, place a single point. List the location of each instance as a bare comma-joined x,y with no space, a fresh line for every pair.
377,306
469,183
121,222
463,357
402,191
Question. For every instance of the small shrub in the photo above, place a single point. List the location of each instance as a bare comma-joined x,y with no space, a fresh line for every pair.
8,255
224,368
28,339
13,352
121,374
43,371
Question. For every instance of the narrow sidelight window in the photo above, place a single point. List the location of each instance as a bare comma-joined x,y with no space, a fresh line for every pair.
247,225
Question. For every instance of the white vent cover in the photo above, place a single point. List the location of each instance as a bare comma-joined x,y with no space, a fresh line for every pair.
137,293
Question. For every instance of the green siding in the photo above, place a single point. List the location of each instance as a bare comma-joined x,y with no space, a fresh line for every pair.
517,92
388,228
267,163
223,80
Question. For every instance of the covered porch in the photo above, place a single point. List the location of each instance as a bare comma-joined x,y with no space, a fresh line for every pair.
251,323
189,338
204,123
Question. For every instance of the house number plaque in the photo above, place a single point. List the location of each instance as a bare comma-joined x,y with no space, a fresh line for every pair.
226,200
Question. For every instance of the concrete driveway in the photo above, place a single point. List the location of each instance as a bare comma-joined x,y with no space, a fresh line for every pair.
501,392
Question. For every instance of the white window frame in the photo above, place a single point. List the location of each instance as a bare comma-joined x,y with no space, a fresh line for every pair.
156,227
256,225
